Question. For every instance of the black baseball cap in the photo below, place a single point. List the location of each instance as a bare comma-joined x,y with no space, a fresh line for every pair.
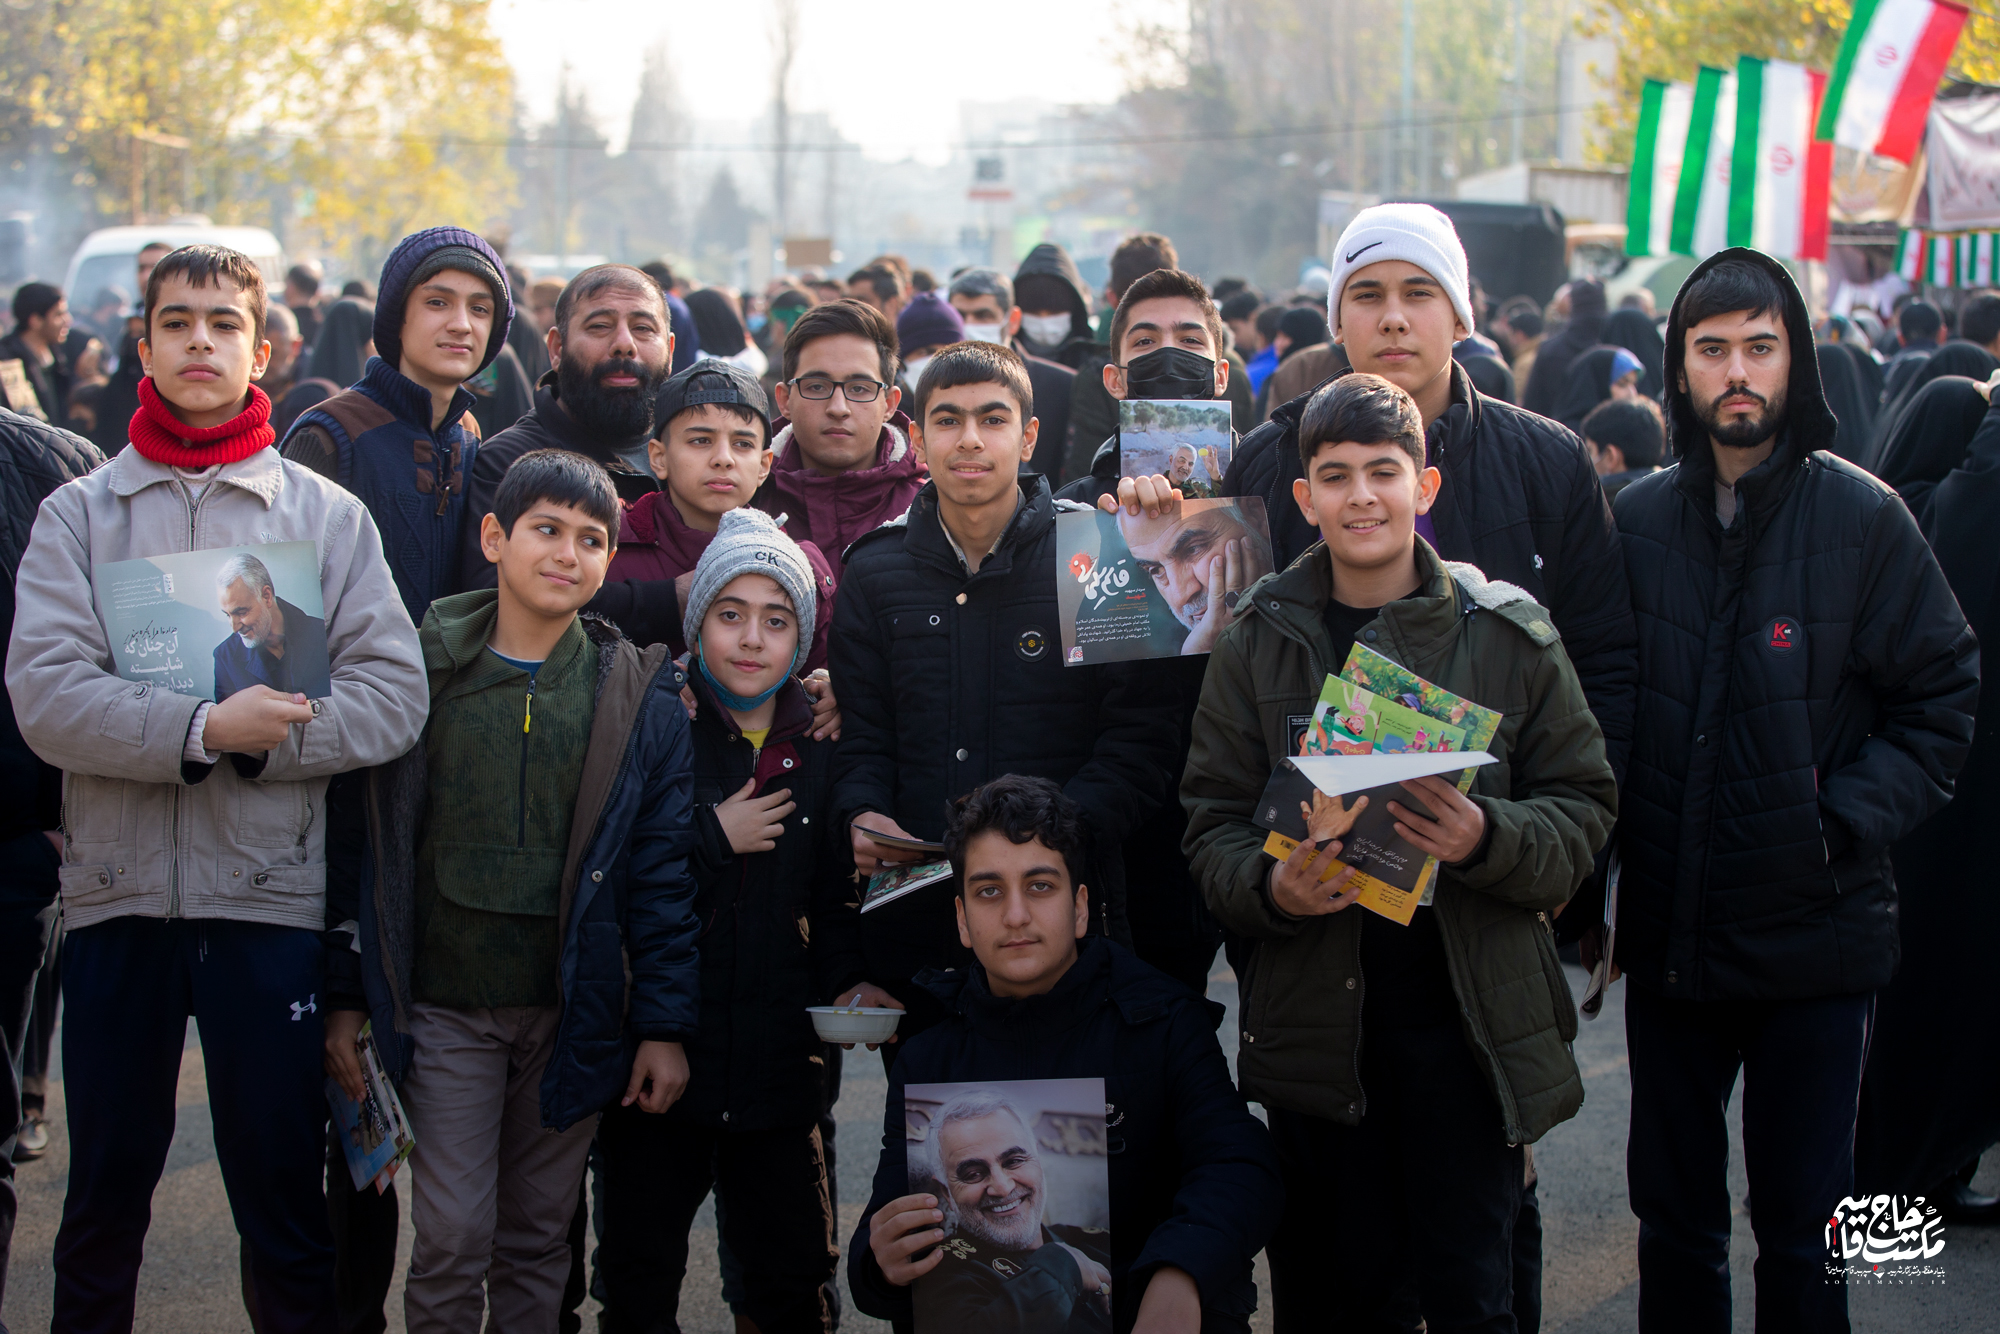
710,381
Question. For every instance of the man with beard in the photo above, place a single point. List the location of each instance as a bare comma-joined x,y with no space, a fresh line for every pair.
1004,1270
1192,552
1806,694
271,642
611,344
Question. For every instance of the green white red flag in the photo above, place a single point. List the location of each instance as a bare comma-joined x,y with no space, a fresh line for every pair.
1664,109
1891,59
1701,204
1778,175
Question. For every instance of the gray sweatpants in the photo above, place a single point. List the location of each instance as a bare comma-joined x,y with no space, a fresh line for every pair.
492,1191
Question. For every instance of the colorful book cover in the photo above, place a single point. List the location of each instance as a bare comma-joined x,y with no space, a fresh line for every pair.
888,886
375,1134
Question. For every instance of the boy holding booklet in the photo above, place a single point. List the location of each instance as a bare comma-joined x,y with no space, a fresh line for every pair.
194,831
1471,1013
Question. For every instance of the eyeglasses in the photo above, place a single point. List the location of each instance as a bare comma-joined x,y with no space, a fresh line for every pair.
818,388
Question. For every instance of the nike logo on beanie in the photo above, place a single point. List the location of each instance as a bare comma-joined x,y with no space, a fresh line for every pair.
1364,250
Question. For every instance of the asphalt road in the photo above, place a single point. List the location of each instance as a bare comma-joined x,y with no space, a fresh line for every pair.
189,1283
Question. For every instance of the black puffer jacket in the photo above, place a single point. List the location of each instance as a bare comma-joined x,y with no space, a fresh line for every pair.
779,929
1806,699
35,459
947,681
1522,502
1193,1175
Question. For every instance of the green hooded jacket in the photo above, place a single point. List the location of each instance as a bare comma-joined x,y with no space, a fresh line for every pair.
1549,804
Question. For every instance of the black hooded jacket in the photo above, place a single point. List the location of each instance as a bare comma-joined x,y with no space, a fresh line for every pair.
1092,412
948,680
1584,331
1193,1176
1806,698
1521,501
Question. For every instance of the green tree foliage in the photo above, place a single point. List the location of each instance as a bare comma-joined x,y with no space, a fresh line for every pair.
1668,41
350,120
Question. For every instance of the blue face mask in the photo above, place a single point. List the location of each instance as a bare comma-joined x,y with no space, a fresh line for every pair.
740,703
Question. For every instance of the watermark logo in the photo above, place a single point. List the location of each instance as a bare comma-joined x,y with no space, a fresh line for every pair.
1885,1239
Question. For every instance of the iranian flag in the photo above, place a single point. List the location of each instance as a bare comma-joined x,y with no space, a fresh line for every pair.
1664,109
1890,62
1910,255
1778,177
1701,203
1976,259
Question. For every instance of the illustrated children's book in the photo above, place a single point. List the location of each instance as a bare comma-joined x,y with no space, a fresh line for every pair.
1394,712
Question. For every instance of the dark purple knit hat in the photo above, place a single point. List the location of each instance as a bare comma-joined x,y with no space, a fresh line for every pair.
928,321
422,254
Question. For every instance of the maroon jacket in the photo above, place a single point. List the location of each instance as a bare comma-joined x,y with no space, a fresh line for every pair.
656,547
831,512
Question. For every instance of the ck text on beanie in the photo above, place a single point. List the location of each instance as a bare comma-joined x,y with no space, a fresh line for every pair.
749,541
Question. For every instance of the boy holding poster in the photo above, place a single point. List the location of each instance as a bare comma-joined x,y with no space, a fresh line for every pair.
1467,1005
191,885
990,1200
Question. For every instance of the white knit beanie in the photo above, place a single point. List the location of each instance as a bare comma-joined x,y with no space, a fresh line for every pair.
747,541
1416,233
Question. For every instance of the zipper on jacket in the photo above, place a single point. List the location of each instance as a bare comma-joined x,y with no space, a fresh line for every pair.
193,507
527,721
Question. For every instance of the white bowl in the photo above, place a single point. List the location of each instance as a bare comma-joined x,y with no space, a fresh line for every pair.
861,1023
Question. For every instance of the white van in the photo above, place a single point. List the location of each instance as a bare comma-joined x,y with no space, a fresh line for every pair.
108,257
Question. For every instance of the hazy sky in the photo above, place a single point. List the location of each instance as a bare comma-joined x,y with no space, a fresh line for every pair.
890,72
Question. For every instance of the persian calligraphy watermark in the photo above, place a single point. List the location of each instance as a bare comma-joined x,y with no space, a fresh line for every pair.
1885,1239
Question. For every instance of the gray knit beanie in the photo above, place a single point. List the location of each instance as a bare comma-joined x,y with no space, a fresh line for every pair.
749,541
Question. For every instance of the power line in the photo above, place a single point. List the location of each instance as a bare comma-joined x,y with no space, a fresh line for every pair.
1087,141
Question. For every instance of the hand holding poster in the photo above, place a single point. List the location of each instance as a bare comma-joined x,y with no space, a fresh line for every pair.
1020,1170
209,623
1129,586
1187,441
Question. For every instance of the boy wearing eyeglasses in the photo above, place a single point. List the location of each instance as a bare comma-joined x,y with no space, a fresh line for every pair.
844,463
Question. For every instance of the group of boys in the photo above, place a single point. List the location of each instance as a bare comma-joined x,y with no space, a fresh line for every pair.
579,831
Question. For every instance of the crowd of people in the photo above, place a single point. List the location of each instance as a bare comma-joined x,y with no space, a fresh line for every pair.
658,619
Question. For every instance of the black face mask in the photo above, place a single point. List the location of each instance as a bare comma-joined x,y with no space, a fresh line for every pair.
1170,372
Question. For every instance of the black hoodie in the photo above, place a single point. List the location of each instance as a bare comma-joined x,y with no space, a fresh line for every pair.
1806,691
1092,413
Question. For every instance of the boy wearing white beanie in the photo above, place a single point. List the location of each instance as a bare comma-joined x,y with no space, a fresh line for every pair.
1518,498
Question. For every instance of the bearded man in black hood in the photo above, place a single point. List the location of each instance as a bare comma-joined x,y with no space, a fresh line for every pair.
1806,694
612,346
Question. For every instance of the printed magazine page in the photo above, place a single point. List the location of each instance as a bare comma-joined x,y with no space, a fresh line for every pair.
888,886
1187,441
209,623
1130,587
375,1134
1020,1169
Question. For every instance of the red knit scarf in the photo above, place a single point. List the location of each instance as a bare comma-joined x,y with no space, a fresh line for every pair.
165,438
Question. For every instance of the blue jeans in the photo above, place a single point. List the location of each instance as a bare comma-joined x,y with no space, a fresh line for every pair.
1801,1062
130,985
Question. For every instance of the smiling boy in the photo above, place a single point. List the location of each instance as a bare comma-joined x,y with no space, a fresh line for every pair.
946,647
1403,1067
529,942
1194,1185
194,886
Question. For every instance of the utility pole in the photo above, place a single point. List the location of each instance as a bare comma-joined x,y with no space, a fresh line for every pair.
1517,77
1408,128
784,44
